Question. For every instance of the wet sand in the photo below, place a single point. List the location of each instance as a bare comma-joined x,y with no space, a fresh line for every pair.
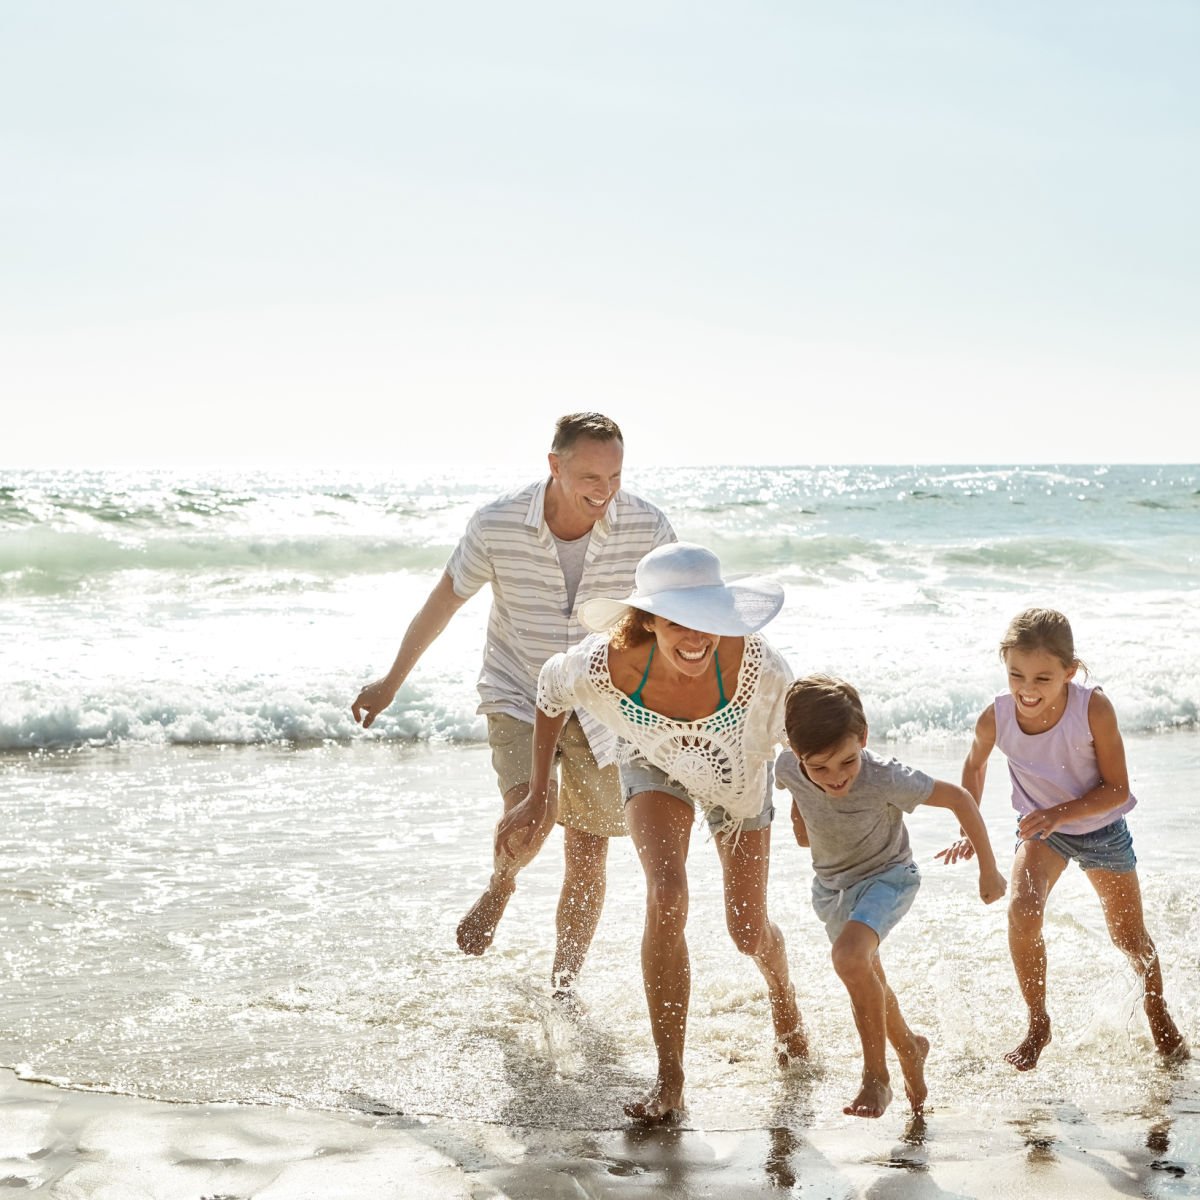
68,1144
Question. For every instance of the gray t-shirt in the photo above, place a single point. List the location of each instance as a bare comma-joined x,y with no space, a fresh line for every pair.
570,558
862,833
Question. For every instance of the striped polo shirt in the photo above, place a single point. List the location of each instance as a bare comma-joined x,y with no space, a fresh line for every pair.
509,545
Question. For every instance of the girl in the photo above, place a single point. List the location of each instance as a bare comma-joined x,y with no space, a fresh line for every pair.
1071,789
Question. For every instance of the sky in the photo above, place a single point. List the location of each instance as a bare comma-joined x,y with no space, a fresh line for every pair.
373,232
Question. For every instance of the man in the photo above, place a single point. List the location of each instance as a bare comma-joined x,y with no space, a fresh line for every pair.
545,550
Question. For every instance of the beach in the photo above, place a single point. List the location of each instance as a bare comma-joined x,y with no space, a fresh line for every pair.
227,915
384,1063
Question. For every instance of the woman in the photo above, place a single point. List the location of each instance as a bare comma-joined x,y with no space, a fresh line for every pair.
678,673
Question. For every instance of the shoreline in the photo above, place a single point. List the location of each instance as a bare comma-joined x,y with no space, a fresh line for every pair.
94,1144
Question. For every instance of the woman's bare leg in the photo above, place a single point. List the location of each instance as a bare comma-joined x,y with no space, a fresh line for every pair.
745,863
661,828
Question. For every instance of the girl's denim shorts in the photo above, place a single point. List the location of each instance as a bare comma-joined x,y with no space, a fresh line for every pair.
1107,849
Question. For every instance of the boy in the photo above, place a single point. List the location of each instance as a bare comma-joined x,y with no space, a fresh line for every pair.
848,804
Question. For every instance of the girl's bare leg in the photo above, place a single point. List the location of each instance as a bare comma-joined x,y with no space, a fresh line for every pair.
1036,869
661,828
745,864
1121,899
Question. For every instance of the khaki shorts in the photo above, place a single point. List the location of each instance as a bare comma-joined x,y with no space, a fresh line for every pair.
589,796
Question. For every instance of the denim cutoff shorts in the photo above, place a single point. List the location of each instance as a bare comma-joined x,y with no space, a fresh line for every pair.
1107,849
639,775
879,901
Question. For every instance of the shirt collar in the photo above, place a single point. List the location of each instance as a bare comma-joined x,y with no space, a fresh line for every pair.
535,517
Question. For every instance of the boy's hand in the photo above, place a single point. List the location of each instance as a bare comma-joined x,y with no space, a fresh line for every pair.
798,826
961,850
992,886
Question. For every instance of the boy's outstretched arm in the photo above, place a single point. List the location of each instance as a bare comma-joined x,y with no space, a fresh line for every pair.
798,826
974,773
960,802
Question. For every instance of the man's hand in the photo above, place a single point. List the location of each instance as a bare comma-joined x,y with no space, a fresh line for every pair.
371,701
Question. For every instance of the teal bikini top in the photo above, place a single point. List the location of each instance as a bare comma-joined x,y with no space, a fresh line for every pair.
636,694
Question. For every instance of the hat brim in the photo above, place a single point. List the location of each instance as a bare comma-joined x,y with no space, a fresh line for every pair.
732,609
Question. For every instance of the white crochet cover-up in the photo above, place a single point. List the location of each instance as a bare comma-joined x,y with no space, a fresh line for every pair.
720,760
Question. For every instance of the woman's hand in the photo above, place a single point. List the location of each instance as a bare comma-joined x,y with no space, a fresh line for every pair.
517,832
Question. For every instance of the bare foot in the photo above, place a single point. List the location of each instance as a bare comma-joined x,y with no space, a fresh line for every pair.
1169,1042
663,1105
912,1067
872,1100
792,1047
791,1042
478,927
1025,1056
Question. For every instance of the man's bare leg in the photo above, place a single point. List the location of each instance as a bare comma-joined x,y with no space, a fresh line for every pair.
478,927
579,904
854,956
1036,869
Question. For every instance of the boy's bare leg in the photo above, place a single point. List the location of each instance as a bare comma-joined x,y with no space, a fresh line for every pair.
745,866
579,904
1036,869
478,927
854,955
1121,899
912,1049
661,828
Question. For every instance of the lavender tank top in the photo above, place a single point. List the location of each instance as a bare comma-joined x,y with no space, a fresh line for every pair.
1055,766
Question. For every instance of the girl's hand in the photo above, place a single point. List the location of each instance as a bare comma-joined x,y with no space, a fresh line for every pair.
992,886
962,850
1036,825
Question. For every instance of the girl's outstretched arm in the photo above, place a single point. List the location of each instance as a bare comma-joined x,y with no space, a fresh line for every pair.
961,803
974,773
1111,792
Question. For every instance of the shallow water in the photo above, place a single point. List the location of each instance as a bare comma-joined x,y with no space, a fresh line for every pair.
277,925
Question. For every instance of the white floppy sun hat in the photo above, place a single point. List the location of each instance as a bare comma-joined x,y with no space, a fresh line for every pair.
683,583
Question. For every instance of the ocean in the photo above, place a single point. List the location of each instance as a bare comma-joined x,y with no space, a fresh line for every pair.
214,886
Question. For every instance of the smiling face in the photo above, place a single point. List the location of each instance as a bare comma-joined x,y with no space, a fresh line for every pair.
835,769
688,651
583,480
1038,682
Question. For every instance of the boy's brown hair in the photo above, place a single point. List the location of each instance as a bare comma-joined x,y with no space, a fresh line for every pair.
819,711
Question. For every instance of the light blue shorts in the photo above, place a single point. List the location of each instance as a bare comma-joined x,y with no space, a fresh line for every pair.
1107,849
878,901
640,775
